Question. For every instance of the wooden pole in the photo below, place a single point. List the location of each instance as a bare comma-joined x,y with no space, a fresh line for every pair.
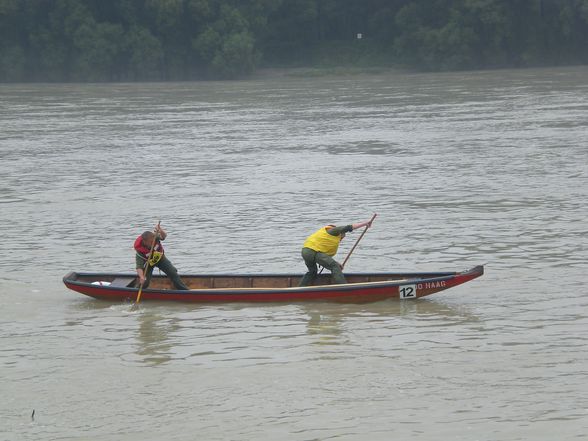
147,265
357,242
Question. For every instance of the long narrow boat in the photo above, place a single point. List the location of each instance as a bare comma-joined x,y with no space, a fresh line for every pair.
361,287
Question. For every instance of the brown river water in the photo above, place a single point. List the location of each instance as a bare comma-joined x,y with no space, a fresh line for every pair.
462,168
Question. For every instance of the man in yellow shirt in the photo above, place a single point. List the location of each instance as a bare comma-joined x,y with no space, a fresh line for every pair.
321,246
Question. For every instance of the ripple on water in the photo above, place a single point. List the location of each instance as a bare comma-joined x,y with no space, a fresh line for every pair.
462,169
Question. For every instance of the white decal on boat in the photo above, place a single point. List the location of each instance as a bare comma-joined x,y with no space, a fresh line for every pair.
407,291
429,285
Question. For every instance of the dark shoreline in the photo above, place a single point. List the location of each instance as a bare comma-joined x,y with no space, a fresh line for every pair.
268,73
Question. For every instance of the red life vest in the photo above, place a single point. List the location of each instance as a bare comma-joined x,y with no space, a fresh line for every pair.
142,251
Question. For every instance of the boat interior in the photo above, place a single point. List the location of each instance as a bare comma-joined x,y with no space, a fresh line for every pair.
239,281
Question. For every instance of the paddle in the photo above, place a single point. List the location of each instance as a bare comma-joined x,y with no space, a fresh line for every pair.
357,241
147,265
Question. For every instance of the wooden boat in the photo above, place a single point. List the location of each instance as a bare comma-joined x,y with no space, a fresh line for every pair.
361,287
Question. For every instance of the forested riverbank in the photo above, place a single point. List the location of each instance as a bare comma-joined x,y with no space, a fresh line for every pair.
160,40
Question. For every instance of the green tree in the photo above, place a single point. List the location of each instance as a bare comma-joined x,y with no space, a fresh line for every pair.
236,56
12,63
293,33
144,54
99,51
101,40
12,55
226,47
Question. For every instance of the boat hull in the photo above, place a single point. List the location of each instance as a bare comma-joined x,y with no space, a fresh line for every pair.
269,288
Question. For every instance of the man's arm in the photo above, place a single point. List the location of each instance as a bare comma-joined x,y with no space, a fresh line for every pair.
141,276
362,224
140,265
160,232
336,231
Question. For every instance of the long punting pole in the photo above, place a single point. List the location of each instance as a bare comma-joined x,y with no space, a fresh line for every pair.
357,241
147,265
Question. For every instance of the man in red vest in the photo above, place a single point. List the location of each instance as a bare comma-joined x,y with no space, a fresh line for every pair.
150,254
321,246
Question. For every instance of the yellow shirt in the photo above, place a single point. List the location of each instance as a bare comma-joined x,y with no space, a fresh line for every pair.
323,242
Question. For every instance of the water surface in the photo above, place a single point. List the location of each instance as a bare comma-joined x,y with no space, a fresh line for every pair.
462,169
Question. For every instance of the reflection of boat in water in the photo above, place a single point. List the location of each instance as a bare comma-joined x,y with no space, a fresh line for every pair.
360,288
387,309
208,333
151,329
329,319
155,345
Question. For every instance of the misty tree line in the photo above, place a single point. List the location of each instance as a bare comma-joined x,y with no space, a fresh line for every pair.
130,40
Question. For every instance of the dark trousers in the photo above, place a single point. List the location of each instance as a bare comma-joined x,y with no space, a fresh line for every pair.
312,258
169,269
